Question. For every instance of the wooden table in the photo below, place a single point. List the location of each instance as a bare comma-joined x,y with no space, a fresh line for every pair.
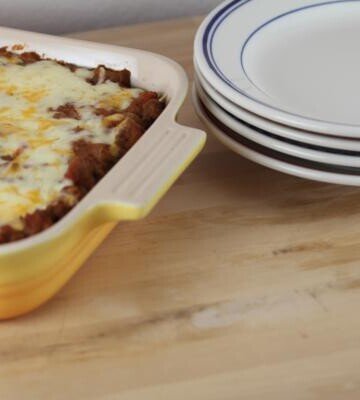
243,284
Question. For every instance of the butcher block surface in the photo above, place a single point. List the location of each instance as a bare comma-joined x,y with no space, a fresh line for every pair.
244,283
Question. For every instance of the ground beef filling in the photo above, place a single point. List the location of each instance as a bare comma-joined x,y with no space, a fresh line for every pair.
66,111
102,74
90,161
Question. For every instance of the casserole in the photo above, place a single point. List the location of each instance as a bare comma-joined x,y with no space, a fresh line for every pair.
62,128
34,269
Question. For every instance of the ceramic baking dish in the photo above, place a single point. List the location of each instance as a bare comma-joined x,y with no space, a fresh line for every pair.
34,269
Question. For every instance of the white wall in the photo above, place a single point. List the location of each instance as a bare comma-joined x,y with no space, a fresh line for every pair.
59,16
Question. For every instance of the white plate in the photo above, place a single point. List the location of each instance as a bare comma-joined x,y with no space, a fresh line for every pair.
294,62
317,140
282,166
265,139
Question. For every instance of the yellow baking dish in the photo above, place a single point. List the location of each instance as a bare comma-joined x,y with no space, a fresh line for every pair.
34,269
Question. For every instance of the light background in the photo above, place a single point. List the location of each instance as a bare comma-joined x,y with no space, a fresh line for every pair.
54,16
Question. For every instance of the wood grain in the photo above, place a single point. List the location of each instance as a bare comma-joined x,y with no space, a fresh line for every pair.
243,284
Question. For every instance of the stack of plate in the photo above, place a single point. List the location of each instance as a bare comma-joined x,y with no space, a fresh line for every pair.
279,83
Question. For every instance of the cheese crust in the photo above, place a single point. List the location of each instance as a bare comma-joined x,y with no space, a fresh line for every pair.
62,127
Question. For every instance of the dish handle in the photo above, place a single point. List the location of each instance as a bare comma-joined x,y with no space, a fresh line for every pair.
145,174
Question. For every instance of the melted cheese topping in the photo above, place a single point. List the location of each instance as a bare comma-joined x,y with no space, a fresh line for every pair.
40,145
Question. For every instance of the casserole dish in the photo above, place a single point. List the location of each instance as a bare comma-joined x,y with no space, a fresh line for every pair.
34,269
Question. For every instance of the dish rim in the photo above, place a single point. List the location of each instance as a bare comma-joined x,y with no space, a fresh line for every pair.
266,139
267,161
288,132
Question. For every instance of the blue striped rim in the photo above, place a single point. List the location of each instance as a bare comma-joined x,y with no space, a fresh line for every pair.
275,154
217,20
